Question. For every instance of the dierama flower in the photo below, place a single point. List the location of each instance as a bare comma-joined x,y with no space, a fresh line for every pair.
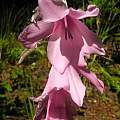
70,42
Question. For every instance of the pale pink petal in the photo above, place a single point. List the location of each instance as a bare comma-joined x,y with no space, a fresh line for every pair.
52,10
93,78
58,48
85,42
92,11
90,49
69,81
56,81
91,42
77,89
34,32
55,56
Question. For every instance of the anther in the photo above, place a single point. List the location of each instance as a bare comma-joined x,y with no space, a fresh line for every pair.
68,34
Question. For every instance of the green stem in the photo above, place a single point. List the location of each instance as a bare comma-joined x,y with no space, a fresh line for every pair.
83,5
93,60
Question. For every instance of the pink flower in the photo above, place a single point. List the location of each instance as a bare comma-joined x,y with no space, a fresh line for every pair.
70,42
65,92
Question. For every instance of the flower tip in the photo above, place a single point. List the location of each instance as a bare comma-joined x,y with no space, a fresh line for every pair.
101,87
97,11
19,37
33,99
94,9
102,91
91,7
103,51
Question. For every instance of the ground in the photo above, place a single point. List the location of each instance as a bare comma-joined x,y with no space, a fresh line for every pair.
100,107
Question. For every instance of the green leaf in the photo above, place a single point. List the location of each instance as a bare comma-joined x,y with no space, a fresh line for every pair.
7,86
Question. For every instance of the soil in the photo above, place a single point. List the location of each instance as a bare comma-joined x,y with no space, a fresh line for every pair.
100,107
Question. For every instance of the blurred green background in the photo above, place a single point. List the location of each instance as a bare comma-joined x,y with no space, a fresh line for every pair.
20,81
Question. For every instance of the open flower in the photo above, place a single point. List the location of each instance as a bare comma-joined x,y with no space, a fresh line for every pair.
65,92
70,42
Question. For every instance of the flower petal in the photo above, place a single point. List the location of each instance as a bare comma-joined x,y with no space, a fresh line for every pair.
77,43
93,78
64,92
52,10
56,81
69,81
57,50
34,32
41,107
77,89
91,42
92,11
65,44
60,106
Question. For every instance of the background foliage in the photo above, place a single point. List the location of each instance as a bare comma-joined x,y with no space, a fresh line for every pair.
20,81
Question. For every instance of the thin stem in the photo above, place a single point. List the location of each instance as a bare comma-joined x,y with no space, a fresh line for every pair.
83,5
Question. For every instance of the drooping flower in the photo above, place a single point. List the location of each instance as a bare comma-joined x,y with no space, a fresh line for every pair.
70,42
69,91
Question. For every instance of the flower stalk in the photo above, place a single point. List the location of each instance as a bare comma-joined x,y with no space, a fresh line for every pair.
70,43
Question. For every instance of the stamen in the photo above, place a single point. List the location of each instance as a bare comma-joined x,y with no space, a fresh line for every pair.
67,31
68,34
65,21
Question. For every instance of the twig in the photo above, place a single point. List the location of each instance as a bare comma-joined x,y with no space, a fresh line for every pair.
24,54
